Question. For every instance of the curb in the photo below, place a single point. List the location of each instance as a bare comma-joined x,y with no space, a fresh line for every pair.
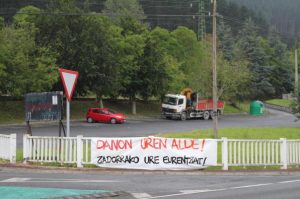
116,195
279,108
39,123
201,172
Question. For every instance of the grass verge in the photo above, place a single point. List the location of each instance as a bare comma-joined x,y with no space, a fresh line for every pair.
291,133
241,133
14,111
280,102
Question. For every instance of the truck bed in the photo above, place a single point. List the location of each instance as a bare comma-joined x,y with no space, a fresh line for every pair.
208,105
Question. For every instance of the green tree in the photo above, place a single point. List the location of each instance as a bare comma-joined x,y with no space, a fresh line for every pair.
61,31
234,78
1,23
252,50
24,67
100,56
128,15
192,57
159,70
26,17
125,9
226,41
281,77
130,81
296,103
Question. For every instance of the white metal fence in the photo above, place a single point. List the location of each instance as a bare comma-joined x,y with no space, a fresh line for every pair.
53,149
234,152
8,147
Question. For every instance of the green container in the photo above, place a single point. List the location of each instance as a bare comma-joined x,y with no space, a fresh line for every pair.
256,108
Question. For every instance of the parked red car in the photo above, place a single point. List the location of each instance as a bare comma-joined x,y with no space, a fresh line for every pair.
104,115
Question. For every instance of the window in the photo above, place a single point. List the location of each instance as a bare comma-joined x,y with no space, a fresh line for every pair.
180,101
170,100
95,111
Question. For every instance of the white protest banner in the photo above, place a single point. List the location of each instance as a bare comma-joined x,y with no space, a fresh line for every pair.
154,153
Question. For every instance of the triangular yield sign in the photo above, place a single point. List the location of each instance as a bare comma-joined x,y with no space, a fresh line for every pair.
69,79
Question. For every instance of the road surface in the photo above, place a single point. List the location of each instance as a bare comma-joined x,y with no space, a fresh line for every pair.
150,185
147,127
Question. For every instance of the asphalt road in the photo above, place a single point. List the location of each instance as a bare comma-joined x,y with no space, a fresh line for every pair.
150,185
151,126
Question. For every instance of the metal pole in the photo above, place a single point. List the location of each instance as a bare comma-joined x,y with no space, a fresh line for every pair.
68,118
214,65
296,73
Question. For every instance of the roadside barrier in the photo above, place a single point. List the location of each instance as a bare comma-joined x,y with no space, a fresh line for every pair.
232,152
8,146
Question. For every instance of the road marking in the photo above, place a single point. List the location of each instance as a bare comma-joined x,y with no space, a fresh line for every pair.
141,195
190,192
195,191
55,180
186,192
16,180
249,186
291,181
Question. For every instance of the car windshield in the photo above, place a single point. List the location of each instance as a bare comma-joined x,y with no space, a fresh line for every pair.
170,100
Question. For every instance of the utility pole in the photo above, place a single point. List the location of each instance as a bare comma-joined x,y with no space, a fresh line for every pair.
296,73
201,20
214,66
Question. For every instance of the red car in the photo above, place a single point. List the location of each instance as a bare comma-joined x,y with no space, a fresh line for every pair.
104,115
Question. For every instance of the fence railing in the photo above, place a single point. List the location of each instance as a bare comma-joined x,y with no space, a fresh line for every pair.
234,152
8,146
51,149
293,152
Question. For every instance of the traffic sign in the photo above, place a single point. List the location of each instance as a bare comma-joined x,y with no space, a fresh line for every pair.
69,79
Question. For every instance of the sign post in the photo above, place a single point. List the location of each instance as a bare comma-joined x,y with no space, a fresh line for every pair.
69,79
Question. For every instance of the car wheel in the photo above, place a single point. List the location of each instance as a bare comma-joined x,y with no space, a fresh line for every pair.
90,120
183,116
113,121
206,115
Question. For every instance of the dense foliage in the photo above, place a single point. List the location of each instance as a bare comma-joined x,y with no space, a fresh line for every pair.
118,54
282,14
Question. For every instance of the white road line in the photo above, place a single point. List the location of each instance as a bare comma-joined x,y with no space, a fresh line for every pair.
190,192
140,195
28,180
16,180
186,193
249,186
291,181
195,191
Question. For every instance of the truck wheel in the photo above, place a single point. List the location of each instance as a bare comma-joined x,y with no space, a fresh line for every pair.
183,116
206,115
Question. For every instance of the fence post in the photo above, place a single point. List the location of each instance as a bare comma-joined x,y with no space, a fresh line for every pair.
13,148
79,150
283,153
225,153
25,148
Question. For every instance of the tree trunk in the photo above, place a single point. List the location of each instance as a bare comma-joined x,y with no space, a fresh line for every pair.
100,100
133,106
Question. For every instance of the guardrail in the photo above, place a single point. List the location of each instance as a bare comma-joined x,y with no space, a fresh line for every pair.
8,146
234,152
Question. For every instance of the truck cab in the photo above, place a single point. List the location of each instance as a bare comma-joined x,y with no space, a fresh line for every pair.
174,106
